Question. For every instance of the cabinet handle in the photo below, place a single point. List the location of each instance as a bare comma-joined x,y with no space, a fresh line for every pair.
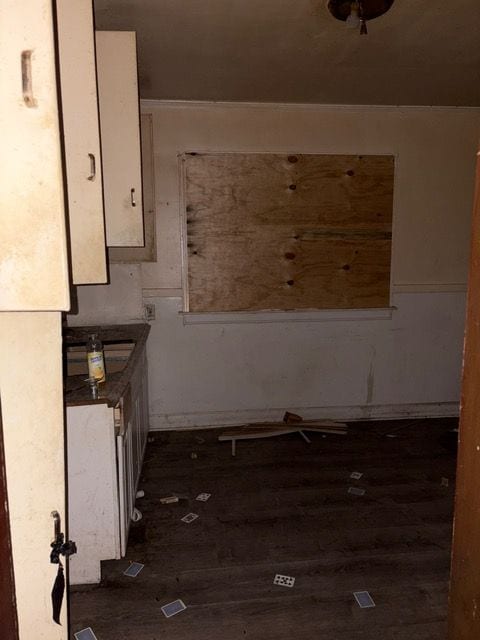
93,167
56,524
27,86
132,197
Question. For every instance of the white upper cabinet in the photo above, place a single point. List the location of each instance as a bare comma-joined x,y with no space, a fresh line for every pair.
120,137
33,244
78,85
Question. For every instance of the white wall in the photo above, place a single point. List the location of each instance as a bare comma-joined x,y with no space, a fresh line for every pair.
229,370
114,303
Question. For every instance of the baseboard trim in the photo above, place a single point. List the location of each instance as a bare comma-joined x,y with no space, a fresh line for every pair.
188,421
301,315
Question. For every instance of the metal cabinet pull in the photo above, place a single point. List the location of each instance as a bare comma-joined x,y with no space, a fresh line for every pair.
27,86
93,167
132,197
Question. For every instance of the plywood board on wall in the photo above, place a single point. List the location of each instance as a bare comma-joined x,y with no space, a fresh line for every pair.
273,231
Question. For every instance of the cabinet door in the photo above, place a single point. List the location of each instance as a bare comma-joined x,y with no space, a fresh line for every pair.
78,86
93,492
145,424
33,435
120,137
125,456
125,485
33,245
136,397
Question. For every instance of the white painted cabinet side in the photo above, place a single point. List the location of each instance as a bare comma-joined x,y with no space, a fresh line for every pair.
78,85
92,490
33,248
120,137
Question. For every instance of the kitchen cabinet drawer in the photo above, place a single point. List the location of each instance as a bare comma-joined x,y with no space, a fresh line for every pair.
78,87
120,137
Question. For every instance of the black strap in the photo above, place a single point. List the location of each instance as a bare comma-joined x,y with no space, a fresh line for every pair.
57,593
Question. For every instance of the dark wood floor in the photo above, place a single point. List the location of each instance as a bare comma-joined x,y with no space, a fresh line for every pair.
281,506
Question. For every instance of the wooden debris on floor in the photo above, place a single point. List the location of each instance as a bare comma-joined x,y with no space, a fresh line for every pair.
292,423
356,491
292,418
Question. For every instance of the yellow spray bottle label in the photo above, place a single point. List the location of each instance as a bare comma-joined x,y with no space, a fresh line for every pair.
96,366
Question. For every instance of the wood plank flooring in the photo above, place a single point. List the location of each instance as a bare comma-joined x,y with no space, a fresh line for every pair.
281,506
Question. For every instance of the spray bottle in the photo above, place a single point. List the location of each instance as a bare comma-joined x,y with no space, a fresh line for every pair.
96,363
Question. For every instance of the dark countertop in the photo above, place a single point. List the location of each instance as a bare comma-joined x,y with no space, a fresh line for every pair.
76,391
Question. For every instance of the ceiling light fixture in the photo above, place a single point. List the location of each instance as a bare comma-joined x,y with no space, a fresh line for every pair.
356,13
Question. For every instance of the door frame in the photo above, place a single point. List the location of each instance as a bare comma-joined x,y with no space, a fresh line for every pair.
8,604
464,598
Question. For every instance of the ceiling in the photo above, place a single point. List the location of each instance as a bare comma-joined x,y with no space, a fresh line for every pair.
423,52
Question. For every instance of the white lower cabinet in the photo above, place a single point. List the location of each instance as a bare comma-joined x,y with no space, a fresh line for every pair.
105,449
